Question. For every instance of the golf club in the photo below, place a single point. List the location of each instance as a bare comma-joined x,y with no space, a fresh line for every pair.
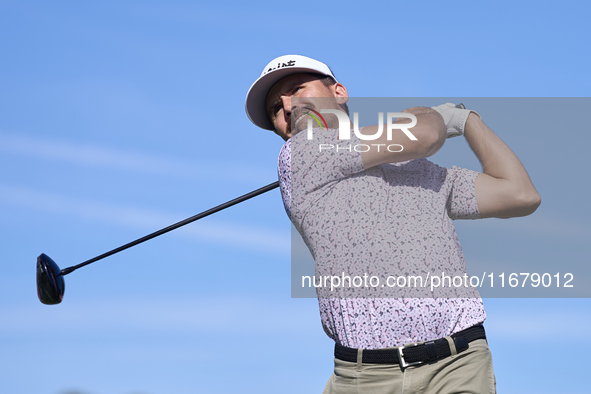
50,278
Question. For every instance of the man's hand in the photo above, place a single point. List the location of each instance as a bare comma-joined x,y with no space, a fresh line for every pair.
454,116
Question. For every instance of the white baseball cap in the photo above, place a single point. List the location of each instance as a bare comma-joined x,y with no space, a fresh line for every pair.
273,72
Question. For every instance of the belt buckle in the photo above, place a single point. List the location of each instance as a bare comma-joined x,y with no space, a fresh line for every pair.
401,359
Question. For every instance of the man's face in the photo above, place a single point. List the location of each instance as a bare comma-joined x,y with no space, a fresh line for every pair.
279,107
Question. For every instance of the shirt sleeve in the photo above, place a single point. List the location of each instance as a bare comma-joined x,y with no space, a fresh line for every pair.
323,159
462,198
284,174
317,164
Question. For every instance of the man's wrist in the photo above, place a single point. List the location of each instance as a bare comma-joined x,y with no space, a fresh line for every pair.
472,123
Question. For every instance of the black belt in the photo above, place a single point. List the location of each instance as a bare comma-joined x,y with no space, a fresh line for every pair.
415,353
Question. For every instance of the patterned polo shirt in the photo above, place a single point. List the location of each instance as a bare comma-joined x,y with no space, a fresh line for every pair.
393,219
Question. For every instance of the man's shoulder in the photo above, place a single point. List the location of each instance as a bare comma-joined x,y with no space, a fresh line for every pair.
422,171
422,164
284,152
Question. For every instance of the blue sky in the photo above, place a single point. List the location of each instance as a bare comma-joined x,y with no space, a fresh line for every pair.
119,118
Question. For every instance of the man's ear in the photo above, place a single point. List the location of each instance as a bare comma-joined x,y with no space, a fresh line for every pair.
341,94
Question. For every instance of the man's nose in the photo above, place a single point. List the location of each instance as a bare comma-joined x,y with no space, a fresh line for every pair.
286,100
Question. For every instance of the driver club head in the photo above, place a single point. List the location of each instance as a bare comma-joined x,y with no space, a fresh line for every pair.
50,281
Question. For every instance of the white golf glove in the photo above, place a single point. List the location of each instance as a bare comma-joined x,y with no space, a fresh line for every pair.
454,117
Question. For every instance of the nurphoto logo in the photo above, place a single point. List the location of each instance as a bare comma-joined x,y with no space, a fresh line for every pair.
345,130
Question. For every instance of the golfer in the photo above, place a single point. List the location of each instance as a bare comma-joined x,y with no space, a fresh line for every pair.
361,206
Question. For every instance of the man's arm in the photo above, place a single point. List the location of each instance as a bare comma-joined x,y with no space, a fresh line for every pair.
504,189
430,132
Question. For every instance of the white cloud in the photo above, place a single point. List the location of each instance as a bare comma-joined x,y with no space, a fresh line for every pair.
211,314
234,234
118,159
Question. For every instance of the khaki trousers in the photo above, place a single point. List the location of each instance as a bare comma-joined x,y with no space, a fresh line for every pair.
470,371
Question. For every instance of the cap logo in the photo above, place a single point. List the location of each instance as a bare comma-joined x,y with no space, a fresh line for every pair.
290,63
